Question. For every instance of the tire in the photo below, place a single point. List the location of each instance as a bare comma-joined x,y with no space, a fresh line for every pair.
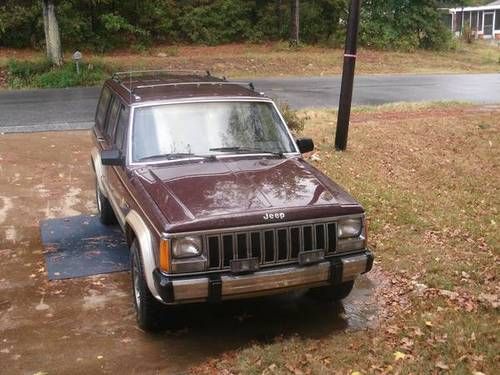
106,213
147,308
331,293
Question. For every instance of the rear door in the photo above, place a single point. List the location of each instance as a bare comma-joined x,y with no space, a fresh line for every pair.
108,130
117,175
100,115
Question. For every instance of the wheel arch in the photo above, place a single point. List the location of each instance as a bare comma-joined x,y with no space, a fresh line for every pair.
136,228
98,169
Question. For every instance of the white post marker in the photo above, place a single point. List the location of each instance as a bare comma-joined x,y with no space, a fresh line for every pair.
77,56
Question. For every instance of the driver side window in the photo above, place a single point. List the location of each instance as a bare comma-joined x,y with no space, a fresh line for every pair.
121,128
112,118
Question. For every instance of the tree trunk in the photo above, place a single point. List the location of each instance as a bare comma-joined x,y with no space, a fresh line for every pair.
295,22
51,28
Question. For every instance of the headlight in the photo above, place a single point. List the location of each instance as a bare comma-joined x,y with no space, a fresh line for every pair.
186,247
350,228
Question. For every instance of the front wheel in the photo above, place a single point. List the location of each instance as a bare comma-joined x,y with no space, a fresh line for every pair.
331,293
147,308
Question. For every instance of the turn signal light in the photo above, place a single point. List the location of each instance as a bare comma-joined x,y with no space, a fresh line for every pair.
165,255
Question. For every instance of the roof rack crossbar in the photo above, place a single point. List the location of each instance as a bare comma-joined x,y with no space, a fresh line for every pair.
118,76
214,83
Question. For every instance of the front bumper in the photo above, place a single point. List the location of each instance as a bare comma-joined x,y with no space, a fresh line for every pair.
216,287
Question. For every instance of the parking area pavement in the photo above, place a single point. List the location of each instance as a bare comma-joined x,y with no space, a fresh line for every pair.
87,325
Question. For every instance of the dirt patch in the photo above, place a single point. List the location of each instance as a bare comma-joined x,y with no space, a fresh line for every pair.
269,59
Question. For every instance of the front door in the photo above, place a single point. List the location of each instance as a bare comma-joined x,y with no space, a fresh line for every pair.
488,24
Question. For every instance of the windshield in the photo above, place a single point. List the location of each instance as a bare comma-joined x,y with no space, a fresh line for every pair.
208,128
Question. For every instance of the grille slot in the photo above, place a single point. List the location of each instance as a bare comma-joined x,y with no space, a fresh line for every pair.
269,245
227,246
241,248
282,244
256,245
320,236
295,242
332,237
308,238
213,252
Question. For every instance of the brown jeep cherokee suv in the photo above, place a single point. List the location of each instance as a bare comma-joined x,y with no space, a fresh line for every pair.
214,198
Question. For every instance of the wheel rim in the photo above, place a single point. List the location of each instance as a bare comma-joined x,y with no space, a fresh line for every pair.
98,197
135,278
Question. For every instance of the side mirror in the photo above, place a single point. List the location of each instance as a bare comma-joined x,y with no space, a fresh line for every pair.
111,157
305,145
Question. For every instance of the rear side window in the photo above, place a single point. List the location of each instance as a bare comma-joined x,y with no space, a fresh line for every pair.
112,118
102,108
121,128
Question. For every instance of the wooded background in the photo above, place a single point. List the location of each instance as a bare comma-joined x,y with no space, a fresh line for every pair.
102,25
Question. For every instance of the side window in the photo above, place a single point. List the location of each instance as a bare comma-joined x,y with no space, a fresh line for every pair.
121,128
112,118
102,108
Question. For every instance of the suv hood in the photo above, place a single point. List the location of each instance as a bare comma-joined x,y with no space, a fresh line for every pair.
240,191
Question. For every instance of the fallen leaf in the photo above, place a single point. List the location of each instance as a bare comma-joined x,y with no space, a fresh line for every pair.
442,366
418,332
399,355
294,370
406,343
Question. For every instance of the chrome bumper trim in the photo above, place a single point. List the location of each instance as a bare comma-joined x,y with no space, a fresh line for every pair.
268,281
190,289
352,267
274,280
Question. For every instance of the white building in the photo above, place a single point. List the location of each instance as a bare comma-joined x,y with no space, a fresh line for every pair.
484,21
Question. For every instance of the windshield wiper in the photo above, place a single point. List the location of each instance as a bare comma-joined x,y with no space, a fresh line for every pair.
239,149
175,155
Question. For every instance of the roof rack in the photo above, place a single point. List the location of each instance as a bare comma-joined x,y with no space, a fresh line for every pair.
122,77
197,83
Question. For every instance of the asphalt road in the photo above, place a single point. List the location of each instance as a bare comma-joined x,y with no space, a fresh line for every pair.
58,109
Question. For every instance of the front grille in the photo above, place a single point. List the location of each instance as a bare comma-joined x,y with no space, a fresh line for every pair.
270,245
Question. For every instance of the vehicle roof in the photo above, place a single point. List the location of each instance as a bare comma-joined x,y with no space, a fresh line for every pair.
136,89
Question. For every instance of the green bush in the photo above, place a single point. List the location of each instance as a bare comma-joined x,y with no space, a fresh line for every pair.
293,120
25,74
222,21
106,24
403,25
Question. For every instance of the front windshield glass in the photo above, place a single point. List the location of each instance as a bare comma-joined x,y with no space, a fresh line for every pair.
208,128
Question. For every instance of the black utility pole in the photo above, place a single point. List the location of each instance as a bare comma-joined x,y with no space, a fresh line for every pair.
347,77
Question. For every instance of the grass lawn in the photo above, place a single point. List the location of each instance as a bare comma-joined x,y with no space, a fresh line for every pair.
428,176
276,59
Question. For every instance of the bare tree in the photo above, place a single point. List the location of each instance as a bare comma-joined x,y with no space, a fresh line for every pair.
295,22
52,37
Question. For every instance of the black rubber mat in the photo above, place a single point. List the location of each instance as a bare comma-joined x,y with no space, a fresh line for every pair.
81,246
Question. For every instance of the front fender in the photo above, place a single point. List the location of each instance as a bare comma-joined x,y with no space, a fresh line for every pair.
143,235
99,170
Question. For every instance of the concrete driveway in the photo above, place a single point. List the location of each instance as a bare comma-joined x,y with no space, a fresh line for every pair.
57,109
